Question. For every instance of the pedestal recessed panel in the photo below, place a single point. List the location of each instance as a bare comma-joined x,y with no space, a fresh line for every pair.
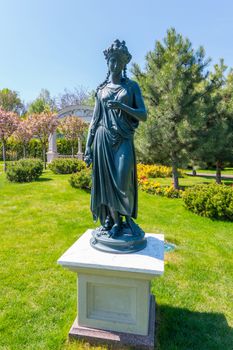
113,303
102,305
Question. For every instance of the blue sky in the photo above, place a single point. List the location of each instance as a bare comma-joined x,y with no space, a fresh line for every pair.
57,44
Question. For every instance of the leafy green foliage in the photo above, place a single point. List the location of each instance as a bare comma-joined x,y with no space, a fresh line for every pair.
43,103
155,170
66,165
214,201
172,85
24,170
153,187
34,148
64,146
10,101
215,139
82,179
73,128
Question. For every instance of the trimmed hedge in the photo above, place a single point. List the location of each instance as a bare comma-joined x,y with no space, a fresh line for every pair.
213,201
34,149
81,179
66,165
24,170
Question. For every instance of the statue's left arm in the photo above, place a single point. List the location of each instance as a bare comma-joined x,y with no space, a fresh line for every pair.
138,111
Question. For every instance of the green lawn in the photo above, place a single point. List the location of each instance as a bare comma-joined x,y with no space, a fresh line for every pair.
40,220
225,171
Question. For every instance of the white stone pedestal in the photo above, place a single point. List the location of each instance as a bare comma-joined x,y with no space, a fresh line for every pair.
51,156
114,289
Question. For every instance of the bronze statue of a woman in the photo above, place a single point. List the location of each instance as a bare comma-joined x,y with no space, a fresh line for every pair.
118,110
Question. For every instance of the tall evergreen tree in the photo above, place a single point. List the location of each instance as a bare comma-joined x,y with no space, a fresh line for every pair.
172,84
215,144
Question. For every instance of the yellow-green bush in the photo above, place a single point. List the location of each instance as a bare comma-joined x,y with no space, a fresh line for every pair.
154,170
24,170
66,165
153,187
214,201
82,179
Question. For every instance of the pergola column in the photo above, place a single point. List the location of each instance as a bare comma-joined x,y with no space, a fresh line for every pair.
80,153
52,151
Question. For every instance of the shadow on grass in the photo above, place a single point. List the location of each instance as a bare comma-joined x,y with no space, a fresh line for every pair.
226,182
224,179
210,176
183,187
43,179
86,190
182,329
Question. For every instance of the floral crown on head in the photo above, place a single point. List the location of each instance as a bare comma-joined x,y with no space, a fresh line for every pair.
120,49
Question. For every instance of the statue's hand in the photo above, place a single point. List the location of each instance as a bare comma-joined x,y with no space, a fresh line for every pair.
114,104
88,157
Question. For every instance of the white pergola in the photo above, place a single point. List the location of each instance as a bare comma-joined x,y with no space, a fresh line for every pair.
83,112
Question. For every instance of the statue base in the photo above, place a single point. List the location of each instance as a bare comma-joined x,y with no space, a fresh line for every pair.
125,243
114,290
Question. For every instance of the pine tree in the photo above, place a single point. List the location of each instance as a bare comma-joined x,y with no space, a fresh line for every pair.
216,134
172,84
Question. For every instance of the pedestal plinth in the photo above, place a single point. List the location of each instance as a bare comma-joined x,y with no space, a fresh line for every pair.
114,290
51,156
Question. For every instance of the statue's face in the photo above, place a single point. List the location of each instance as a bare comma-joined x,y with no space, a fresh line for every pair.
115,64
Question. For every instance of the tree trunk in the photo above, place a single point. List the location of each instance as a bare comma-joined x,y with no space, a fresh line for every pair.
175,173
4,154
72,151
218,172
44,155
24,151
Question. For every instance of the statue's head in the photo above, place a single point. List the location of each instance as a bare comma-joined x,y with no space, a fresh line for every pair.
119,51
117,56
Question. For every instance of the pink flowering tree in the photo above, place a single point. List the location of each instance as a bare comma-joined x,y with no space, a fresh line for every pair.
24,134
43,124
8,124
73,129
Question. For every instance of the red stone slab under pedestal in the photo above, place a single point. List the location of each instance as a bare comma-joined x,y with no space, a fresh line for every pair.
117,339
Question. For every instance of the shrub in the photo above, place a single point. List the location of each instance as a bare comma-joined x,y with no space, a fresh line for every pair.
214,201
152,187
24,170
81,179
66,165
153,171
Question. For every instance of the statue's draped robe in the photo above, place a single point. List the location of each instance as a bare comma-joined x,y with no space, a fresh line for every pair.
114,178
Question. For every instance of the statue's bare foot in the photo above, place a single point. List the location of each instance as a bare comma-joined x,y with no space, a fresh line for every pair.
115,231
135,229
108,223
101,228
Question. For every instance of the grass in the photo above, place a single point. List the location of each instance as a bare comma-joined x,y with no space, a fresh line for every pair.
40,220
225,171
